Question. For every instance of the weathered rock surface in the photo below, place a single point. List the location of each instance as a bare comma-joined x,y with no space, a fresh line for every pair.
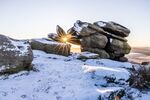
102,53
53,36
113,28
82,28
106,33
103,37
117,48
50,46
15,55
96,41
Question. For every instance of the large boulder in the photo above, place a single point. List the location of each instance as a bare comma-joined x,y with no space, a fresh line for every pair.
113,28
104,38
118,48
15,55
98,41
106,33
95,41
50,46
82,28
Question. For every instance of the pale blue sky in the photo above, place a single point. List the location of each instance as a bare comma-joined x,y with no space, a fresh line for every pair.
37,18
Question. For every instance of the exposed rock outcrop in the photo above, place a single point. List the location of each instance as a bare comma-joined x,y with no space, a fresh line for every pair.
113,28
15,55
50,46
105,38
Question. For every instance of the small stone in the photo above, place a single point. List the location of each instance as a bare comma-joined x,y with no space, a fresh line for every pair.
87,55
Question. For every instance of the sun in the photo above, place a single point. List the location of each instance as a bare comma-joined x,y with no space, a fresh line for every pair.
65,39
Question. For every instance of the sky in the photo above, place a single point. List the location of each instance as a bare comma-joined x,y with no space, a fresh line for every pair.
22,19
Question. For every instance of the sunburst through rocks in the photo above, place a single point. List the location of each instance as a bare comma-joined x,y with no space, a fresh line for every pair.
64,37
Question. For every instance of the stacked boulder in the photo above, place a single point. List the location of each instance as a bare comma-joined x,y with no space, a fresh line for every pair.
104,38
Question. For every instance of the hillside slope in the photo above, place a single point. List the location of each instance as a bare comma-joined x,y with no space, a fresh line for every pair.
66,78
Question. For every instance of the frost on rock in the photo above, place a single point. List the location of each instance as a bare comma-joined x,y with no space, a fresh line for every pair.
15,55
101,24
78,26
21,46
44,41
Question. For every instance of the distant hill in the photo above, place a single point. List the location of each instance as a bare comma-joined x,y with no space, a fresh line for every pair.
143,50
139,54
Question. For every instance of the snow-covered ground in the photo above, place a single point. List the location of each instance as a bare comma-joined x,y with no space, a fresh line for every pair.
65,78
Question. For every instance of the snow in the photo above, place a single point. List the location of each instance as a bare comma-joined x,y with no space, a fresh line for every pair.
108,89
48,42
64,78
109,63
101,24
2,68
78,27
101,71
23,46
111,40
17,45
86,55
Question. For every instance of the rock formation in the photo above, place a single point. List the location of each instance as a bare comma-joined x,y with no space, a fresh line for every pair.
64,37
104,38
108,39
50,46
15,55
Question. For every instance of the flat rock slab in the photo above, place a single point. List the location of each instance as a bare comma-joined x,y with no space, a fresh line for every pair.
87,55
51,46
113,28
